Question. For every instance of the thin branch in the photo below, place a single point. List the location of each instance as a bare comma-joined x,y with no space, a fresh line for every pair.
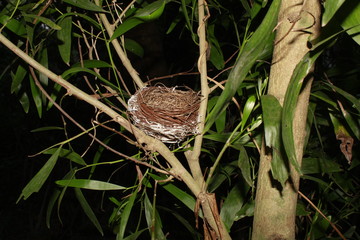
323,215
193,156
124,59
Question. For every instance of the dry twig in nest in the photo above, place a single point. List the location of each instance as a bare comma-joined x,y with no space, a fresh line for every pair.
168,114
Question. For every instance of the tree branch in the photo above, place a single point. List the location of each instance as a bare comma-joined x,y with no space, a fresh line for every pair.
150,143
124,59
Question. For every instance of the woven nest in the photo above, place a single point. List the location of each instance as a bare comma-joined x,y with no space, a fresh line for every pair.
168,114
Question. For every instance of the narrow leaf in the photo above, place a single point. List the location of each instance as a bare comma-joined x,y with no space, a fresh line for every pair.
44,61
151,11
89,184
351,19
330,8
85,4
352,99
69,154
18,78
74,70
153,222
272,111
36,94
303,68
272,120
39,179
25,102
136,234
64,35
41,129
244,165
134,47
125,215
44,20
92,64
54,196
233,203
248,108
88,211
258,47
127,25
13,25
184,197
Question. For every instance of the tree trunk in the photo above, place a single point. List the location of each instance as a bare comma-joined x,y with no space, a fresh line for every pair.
275,209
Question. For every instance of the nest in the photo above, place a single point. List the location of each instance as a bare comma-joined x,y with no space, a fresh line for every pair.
168,114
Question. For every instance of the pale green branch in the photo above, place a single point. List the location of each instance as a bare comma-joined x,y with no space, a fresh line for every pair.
124,59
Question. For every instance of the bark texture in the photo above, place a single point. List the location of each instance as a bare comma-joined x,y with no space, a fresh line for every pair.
275,209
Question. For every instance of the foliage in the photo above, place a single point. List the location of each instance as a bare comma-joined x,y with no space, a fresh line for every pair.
74,40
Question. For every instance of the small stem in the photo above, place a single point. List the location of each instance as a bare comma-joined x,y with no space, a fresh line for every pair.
124,59
193,156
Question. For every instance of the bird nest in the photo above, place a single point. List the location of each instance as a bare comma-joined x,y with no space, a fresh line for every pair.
168,114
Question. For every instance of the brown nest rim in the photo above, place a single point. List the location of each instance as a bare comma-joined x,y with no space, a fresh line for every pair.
168,114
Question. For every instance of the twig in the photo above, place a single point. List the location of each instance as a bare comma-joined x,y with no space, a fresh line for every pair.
124,59
318,210
193,156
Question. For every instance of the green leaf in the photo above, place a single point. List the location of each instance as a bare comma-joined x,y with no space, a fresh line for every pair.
47,21
46,129
221,122
352,99
351,19
184,197
151,11
244,165
125,215
224,173
18,78
88,211
13,25
39,179
319,165
216,55
92,64
242,140
69,154
127,25
246,211
36,94
301,210
64,36
272,111
258,47
54,196
85,4
74,70
330,8
248,108
153,222
233,203
134,47
185,222
135,235
89,184
44,61
25,102
54,93
302,70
